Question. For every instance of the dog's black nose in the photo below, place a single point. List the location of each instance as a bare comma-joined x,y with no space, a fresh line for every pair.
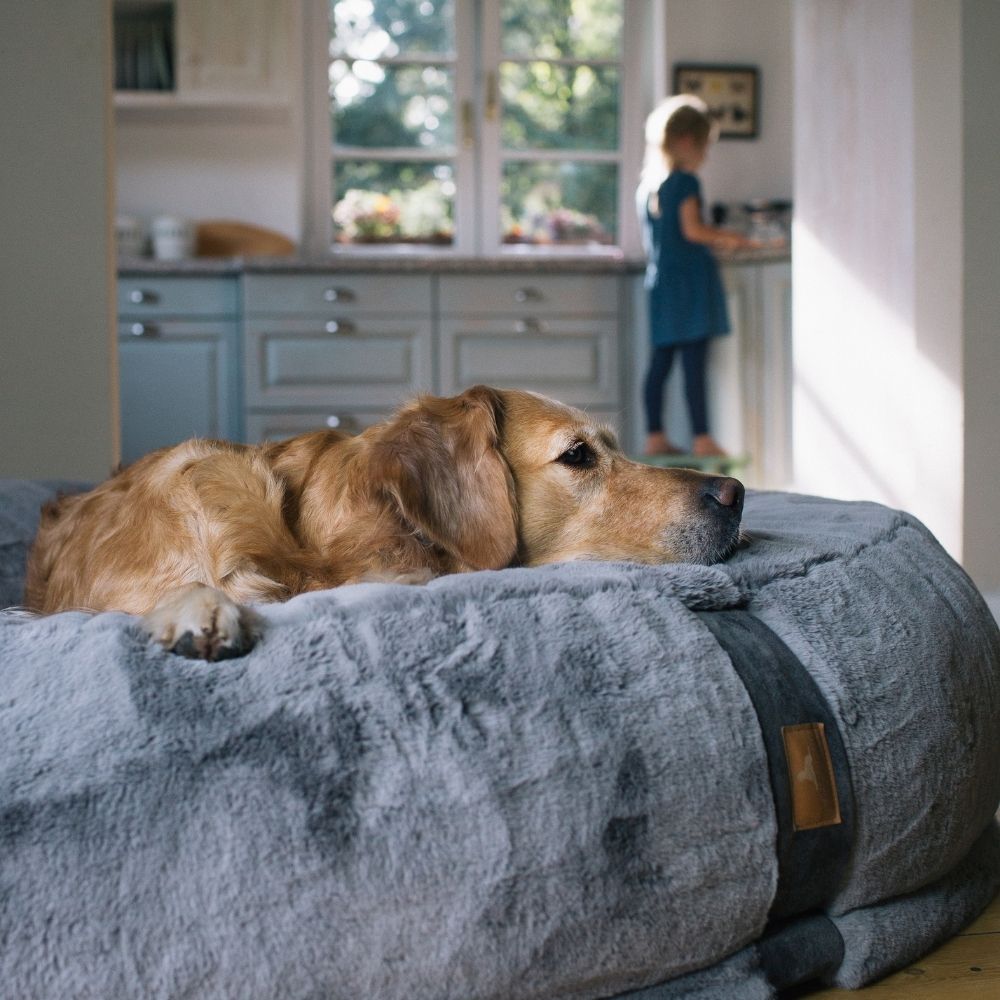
725,492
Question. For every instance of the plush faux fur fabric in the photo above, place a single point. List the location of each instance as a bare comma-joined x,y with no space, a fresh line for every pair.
524,784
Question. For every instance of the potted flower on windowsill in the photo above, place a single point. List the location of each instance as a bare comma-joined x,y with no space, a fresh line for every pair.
564,226
418,216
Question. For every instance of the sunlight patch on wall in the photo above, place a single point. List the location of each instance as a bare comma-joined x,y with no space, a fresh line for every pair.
871,414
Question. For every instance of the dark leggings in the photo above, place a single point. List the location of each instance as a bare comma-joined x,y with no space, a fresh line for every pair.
693,359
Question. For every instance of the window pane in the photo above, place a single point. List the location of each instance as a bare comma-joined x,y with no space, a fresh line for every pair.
384,202
391,106
559,202
559,107
562,29
382,29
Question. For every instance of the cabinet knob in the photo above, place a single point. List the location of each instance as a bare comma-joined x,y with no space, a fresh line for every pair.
144,330
528,295
342,326
528,325
333,420
338,295
143,296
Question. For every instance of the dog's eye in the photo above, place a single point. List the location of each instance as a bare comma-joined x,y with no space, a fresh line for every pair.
579,455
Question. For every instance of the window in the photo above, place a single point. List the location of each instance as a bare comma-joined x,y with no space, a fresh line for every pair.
474,124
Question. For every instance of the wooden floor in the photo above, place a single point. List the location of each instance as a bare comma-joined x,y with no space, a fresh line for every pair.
965,968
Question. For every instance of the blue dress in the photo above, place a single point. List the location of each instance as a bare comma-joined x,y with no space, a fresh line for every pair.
686,300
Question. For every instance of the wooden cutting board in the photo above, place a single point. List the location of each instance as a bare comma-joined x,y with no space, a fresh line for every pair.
222,238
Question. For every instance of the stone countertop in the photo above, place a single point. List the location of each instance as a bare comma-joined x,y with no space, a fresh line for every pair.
423,262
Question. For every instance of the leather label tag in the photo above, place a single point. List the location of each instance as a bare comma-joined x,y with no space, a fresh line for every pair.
815,802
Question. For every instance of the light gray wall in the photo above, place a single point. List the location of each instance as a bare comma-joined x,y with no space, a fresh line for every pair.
57,386
981,287
896,345
759,34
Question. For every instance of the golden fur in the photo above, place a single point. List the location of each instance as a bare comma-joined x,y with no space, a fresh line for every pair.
483,480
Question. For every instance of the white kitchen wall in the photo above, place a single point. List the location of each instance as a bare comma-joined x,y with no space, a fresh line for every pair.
212,158
737,32
896,352
209,164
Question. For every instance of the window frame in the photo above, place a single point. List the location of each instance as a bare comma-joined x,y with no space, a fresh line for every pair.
478,156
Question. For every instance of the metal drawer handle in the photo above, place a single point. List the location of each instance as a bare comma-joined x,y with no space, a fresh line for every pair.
341,326
528,295
144,329
528,325
338,295
143,296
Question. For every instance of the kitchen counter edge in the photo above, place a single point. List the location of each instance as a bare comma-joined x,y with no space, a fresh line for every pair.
419,264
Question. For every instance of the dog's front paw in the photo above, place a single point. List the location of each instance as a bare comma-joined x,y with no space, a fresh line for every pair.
202,623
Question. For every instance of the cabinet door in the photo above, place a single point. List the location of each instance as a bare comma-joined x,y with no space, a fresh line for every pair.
575,361
367,362
176,382
733,404
775,390
233,48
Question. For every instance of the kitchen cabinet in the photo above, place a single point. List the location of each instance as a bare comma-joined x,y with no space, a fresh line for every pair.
178,358
233,49
553,334
334,350
227,54
262,355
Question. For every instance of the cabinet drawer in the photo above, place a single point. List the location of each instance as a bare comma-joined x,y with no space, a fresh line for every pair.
530,295
324,294
575,361
276,426
177,381
154,296
364,363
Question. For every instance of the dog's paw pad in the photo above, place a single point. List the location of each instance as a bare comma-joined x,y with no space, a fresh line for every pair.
201,623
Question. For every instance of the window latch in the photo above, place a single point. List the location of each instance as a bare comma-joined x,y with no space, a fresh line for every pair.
468,125
492,100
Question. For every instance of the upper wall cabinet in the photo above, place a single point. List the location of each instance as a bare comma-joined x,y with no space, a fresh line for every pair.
228,48
183,55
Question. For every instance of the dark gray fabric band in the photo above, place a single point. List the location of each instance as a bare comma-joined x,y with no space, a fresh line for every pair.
811,863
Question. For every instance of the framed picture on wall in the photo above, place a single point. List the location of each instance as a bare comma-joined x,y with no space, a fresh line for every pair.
732,94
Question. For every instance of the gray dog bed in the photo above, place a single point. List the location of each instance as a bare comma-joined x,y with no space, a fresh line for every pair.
582,781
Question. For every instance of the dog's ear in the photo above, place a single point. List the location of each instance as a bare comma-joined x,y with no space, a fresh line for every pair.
439,460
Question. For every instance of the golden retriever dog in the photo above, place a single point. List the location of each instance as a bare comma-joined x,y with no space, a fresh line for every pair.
188,535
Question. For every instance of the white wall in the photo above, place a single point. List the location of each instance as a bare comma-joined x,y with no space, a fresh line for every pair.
896,353
737,32
58,397
210,164
206,159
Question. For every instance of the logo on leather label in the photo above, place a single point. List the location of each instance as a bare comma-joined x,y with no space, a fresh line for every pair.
815,802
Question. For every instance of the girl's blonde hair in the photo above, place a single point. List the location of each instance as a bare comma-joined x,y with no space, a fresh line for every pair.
677,116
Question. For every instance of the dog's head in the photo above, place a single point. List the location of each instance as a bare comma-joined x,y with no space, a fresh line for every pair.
496,477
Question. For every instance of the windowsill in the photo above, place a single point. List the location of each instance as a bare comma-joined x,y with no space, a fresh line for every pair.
511,250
